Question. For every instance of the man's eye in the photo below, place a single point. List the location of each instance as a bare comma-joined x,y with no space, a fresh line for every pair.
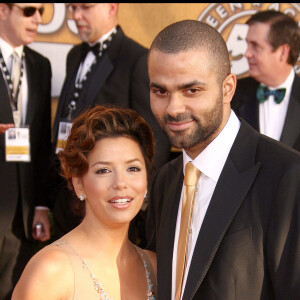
86,7
191,92
159,92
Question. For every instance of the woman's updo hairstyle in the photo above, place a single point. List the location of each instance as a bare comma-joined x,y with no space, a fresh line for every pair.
98,123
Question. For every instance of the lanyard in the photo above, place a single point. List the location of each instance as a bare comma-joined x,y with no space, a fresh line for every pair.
7,77
79,84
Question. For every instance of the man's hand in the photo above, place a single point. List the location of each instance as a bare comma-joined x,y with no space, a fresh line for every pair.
4,127
41,216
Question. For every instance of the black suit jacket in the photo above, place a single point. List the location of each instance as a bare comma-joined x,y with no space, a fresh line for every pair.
248,247
26,180
246,105
119,78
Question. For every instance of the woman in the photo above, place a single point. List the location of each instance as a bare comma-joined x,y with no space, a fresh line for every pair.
106,160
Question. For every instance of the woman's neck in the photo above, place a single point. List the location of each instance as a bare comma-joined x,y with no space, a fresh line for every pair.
112,243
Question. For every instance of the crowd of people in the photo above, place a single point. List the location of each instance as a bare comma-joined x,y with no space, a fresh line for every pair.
118,217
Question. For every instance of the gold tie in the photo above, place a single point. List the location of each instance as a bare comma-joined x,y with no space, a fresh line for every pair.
191,177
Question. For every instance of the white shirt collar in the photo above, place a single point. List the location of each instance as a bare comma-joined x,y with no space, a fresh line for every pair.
272,115
7,49
287,83
104,37
212,159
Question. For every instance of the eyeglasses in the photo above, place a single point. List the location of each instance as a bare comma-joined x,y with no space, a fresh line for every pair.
29,11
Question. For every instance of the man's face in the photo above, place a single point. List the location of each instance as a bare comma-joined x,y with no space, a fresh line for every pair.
92,20
186,97
263,61
20,29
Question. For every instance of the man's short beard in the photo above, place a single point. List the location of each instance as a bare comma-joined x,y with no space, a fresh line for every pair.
203,130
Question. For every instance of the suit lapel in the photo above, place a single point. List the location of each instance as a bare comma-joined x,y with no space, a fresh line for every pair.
31,73
291,128
5,108
254,106
93,84
98,77
167,228
72,68
237,175
249,111
103,68
5,102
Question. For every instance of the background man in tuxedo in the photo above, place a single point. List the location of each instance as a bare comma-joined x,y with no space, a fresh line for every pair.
243,238
273,48
114,74
22,183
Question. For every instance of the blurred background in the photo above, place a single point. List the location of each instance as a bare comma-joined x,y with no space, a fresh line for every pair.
142,21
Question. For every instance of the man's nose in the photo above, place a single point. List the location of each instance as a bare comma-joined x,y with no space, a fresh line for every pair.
176,105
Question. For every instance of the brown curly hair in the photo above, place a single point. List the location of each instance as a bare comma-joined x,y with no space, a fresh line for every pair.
98,123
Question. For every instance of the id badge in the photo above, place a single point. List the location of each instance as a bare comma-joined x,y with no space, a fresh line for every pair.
17,145
63,133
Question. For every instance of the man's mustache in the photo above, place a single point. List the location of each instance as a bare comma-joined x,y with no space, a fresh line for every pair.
179,118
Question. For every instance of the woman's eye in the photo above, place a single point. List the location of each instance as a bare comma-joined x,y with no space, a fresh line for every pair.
134,169
102,171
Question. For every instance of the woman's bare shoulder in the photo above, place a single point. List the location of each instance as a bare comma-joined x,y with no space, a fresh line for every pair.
48,275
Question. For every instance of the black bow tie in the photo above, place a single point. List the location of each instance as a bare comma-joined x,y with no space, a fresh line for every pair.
86,48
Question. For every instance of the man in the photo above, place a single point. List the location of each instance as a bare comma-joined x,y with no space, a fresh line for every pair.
26,115
243,237
273,48
114,75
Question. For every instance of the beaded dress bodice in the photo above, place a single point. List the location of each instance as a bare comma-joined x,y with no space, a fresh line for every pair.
86,285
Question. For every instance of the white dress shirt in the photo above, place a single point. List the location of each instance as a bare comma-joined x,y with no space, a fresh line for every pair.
271,114
90,58
7,51
210,162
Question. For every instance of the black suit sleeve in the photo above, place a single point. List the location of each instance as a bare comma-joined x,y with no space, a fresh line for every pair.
283,239
43,133
151,221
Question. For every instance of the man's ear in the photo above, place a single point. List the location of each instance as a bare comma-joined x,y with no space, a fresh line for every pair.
284,52
113,8
229,86
4,11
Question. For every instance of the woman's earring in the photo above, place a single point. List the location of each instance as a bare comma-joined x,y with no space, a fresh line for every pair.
81,197
145,195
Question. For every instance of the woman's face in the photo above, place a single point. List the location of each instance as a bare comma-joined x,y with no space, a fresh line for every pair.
116,181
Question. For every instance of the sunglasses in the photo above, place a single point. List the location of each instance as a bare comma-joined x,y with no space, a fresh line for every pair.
29,11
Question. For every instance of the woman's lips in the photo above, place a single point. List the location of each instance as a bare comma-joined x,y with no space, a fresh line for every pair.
121,202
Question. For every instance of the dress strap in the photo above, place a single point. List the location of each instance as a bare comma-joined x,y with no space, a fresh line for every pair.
151,278
63,245
80,265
